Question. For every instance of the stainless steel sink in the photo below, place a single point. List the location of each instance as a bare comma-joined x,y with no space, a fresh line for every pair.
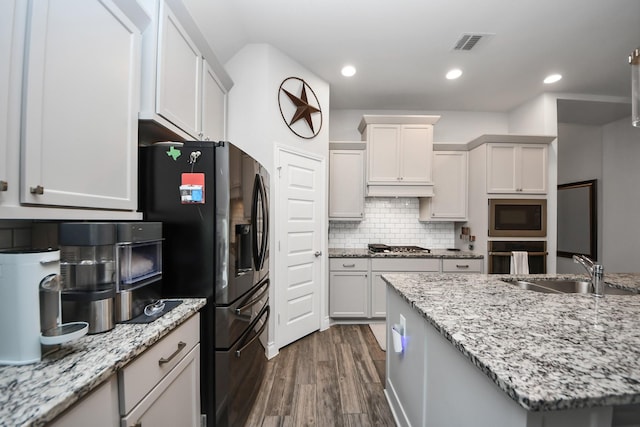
563,286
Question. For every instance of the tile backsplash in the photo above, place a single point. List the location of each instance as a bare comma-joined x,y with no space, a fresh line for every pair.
15,234
393,221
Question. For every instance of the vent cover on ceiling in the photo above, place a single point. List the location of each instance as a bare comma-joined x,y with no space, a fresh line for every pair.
468,41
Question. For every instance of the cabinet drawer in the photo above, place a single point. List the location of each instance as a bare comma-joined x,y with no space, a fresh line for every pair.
175,401
405,264
348,264
141,375
462,266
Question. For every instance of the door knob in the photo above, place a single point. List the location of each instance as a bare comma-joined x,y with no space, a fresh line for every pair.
318,253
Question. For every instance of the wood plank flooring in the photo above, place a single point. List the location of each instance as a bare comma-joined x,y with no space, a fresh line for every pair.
329,378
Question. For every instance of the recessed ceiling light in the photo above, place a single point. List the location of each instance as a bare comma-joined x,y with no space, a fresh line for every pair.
348,70
454,74
552,78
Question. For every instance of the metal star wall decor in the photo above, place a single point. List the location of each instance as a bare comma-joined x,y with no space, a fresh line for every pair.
299,108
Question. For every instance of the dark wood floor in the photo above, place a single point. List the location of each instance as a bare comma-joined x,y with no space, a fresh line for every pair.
329,378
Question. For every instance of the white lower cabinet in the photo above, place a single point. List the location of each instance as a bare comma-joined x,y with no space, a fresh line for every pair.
358,291
98,409
349,287
162,386
174,401
462,265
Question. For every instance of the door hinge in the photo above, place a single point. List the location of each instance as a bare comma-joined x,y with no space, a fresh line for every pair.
216,145
279,171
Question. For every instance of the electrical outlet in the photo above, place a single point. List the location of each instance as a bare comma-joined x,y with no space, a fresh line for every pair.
403,325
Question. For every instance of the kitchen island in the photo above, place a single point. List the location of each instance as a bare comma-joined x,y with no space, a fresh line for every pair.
34,394
482,352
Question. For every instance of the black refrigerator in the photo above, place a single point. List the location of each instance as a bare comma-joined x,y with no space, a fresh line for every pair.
212,199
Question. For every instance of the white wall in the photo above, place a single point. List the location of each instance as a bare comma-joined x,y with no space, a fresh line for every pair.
255,123
620,196
580,159
453,126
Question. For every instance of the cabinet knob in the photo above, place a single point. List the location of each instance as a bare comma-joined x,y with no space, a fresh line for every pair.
37,190
4,185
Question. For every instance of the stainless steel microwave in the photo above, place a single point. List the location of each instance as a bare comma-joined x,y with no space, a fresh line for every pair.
517,217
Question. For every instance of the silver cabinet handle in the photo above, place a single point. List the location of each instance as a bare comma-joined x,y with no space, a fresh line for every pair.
163,360
348,265
317,253
4,185
37,190
462,265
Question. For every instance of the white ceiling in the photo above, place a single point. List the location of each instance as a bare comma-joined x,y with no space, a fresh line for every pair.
403,48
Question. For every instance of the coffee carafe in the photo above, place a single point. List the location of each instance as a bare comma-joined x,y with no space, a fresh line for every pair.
30,314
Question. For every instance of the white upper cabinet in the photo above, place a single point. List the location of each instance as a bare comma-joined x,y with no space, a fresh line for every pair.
517,168
449,201
184,88
81,103
346,181
179,75
11,15
399,150
213,105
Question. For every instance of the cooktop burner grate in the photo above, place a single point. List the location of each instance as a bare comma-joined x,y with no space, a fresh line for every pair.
378,247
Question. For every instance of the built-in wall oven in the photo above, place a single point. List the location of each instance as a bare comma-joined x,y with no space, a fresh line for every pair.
500,251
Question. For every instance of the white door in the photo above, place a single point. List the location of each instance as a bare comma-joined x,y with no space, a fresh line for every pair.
300,260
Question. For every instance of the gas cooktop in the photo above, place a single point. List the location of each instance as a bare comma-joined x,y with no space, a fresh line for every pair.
381,248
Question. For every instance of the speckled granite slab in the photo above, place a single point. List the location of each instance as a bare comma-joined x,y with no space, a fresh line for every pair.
545,351
435,253
32,395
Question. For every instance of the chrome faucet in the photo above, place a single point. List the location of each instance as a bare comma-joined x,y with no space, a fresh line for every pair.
596,271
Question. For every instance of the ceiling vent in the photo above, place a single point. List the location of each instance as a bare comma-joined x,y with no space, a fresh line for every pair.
468,41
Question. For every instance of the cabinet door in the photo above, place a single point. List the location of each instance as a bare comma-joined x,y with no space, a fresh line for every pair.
378,295
501,168
348,294
450,185
213,106
346,184
383,151
175,401
416,148
81,98
98,409
533,169
8,83
179,75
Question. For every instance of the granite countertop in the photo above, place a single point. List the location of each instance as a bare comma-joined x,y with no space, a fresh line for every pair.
545,351
435,253
34,394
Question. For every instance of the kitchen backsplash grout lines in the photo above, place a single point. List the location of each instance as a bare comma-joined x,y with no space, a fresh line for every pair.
393,221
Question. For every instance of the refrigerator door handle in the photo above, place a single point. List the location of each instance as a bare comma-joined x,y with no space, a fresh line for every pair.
260,242
253,300
266,310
